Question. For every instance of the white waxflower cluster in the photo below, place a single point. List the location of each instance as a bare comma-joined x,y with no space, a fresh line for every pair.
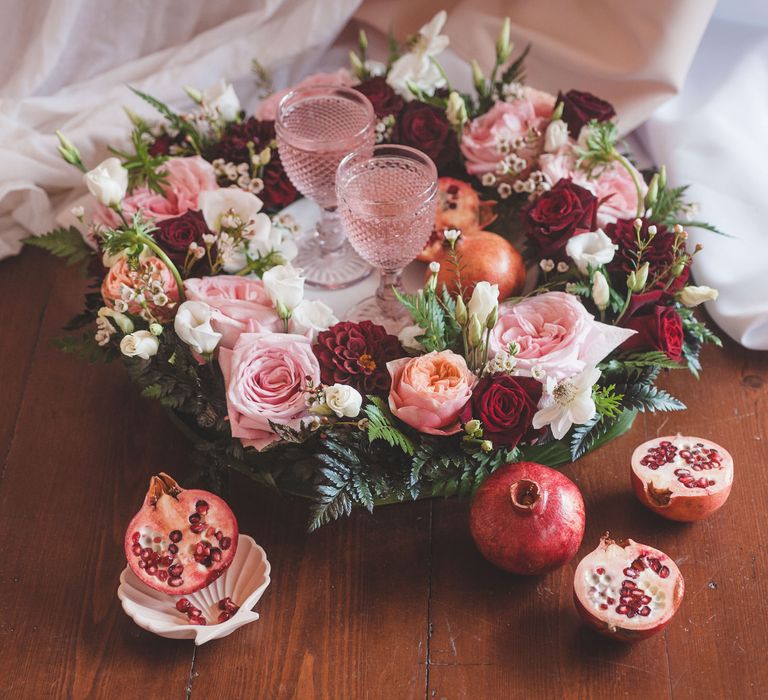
384,127
534,185
512,91
239,175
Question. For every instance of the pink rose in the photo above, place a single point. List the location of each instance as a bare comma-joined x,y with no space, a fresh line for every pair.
121,276
554,332
265,377
428,392
239,305
543,103
267,110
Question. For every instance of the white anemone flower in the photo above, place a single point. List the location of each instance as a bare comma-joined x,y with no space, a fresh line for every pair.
567,402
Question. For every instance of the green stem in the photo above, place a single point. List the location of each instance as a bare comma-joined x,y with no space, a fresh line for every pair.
624,308
628,167
157,250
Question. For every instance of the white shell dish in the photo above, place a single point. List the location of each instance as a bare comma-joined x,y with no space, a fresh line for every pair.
244,581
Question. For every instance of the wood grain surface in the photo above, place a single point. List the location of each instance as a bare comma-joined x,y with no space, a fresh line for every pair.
397,604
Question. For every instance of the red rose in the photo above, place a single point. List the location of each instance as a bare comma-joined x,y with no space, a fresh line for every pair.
356,354
175,235
581,107
662,330
384,99
505,405
425,127
557,215
278,190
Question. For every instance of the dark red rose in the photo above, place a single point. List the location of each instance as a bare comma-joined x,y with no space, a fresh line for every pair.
175,235
357,354
232,147
661,330
557,215
425,127
161,145
581,107
384,99
278,190
505,405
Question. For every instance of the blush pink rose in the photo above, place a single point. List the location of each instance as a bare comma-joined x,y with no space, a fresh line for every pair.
542,102
554,333
150,270
239,306
265,377
428,392
267,109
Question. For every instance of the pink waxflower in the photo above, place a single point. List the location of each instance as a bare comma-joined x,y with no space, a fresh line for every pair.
554,334
239,305
267,110
265,378
428,392
152,281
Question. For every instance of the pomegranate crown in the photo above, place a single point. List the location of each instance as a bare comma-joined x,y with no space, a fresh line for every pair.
161,484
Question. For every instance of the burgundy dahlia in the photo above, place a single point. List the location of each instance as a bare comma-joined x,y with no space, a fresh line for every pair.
581,107
356,354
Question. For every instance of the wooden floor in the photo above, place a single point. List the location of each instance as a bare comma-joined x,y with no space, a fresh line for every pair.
392,605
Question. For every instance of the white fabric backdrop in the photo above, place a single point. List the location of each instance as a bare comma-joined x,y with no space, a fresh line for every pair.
66,64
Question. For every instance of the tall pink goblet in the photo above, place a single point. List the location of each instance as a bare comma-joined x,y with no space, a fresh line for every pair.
316,127
387,200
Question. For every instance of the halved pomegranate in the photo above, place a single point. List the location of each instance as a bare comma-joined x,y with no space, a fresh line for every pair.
180,541
682,478
627,590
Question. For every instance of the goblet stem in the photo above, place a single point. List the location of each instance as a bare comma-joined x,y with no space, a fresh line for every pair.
330,236
389,280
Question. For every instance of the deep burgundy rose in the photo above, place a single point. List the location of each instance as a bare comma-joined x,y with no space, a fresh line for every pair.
356,354
425,127
232,147
175,235
661,330
581,107
506,406
384,99
557,215
278,190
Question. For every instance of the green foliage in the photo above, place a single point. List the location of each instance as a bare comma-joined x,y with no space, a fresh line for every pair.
600,147
584,437
671,207
636,360
175,120
607,401
381,426
143,168
515,71
64,243
650,398
695,335
426,311
83,347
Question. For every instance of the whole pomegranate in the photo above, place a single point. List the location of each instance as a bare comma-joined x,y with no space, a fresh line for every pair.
180,541
627,590
527,518
682,478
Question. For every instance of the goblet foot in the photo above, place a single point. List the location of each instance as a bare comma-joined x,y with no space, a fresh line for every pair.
326,269
394,319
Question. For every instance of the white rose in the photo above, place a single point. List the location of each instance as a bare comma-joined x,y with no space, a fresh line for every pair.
485,299
193,325
693,296
407,338
343,400
311,317
601,293
284,285
108,182
556,136
593,248
222,98
139,344
228,202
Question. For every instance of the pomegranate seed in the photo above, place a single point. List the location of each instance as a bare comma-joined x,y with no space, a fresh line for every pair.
631,572
165,562
136,549
630,613
201,507
225,542
145,553
135,537
600,570
645,611
224,602
175,536
218,534
157,540
142,564
173,549
162,575
197,621
224,616
175,581
663,572
622,609
210,532
152,569
207,562
176,570
638,565
645,600
610,600
194,612
655,565
628,584
603,606
182,604
194,518
197,528
216,554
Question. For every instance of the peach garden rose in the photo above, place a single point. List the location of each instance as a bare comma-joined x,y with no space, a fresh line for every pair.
123,287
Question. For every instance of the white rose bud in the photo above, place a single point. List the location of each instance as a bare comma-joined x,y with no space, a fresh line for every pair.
122,321
343,400
484,301
139,344
456,110
590,249
311,317
223,99
108,182
601,293
284,285
693,296
407,338
556,136
193,326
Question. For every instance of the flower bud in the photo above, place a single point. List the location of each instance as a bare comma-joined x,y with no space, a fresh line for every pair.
265,156
662,177
486,445
472,426
357,65
461,311
69,152
556,136
693,296
503,44
434,267
362,41
601,293
194,94
475,336
456,110
478,78
637,278
490,322
156,329
653,192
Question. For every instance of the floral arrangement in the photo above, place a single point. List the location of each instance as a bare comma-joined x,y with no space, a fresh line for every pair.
193,288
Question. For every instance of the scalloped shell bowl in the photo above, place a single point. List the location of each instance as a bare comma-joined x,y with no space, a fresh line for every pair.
244,581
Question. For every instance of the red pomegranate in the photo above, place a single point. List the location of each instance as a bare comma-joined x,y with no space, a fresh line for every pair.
180,541
682,478
527,518
627,590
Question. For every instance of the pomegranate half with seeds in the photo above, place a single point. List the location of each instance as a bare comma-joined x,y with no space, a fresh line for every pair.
627,590
682,478
181,540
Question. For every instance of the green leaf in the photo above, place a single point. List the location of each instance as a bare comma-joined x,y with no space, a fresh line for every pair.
64,243
607,401
515,72
381,426
651,399
586,435
426,311
173,119
84,347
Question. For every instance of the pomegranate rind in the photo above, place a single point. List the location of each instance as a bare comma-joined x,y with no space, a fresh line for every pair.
682,504
609,556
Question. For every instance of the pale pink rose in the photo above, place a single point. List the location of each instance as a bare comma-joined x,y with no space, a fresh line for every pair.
267,109
428,392
150,270
265,378
543,103
239,305
554,333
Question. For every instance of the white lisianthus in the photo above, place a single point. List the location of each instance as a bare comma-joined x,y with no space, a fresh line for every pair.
343,400
693,296
108,182
567,402
139,344
593,248
193,325
229,207
417,67
456,109
263,238
556,136
375,68
407,337
222,98
601,293
285,286
311,317
484,301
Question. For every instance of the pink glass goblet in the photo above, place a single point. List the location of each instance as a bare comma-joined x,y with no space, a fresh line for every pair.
316,127
387,200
